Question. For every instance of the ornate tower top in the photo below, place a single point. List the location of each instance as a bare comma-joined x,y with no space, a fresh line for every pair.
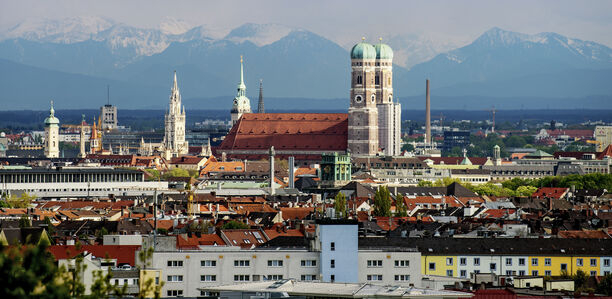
51,120
241,104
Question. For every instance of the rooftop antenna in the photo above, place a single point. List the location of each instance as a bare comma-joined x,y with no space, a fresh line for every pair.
108,94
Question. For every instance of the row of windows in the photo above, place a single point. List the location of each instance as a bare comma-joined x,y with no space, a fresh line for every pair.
379,263
243,263
521,262
379,277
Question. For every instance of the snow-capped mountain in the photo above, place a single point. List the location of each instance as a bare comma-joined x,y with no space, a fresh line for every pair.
259,34
411,49
69,30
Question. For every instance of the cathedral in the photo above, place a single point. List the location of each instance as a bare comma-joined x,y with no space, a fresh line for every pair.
371,127
374,119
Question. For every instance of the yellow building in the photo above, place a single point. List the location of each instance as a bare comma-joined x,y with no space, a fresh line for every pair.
439,265
557,265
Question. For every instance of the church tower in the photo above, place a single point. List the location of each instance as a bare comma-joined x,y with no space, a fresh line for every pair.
174,143
260,103
51,134
389,113
241,104
363,113
82,153
94,144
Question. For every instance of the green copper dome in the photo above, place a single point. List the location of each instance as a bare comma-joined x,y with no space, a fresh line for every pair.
363,50
383,51
51,120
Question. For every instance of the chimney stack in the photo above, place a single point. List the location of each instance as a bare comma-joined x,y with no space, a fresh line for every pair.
272,153
427,115
291,172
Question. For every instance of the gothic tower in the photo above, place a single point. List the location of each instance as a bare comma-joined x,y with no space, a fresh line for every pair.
51,134
241,104
260,103
94,143
174,139
363,114
389,113
82,153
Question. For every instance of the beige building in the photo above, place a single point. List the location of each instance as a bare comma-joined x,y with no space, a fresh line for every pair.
603,137
51,134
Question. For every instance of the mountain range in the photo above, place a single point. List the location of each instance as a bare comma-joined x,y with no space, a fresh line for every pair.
73,60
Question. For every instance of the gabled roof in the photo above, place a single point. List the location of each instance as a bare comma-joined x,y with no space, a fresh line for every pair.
125,254
550,192
314,132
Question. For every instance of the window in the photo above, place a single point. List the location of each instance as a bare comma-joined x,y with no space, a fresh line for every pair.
402,263
358,99
534,261
374,263
208,263
332,278
242,263
449,273
309,263
563,267
332,264
374,277
308,277
373,98
593,262
377,80
208,277
579,262
449,261
174,293
547,262
509,272
275,263
547,273
241,278
593,273
332,246
521,272
606,263
432,266
402,277
508,262
476,261
359,80
175,263
275,277
462,261
521,261
493,266
534,273
606,273
175,278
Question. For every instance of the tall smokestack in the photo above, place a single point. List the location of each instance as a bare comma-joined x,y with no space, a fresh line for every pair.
272,153
427,115
291,172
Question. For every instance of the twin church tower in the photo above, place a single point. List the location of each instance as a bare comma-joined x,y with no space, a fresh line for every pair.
374,119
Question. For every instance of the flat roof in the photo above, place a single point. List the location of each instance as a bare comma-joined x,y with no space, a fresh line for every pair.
68,170
343,290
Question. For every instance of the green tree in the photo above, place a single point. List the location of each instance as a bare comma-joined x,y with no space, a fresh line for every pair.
233,224
425,183
382,202
24,221
30,272
22,201
515,141
340,205
407,147
525,190
400,206
605,285
176,173
443,182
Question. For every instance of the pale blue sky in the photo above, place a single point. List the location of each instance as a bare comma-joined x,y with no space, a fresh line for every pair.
344,21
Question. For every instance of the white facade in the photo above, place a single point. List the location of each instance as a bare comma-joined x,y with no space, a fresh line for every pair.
390,268
174,143
108,115
241,103
499,265
52,135
190,270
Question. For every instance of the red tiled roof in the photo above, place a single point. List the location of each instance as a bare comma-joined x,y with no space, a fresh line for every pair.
550,192
579,234
496,213
194,242
125,254
606,152
288,131
189,160
277,232
296,213
244,238
572,133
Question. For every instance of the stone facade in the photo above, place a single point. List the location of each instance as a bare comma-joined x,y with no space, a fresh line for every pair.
174,143
374,119
241,103
52,135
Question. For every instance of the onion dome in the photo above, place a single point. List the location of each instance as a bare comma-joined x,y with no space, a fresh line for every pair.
383,51
51,120
363,50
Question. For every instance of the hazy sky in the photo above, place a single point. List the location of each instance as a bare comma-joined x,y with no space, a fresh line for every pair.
344,21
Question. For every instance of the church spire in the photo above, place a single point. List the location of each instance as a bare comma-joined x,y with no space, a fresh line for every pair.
260,105
175,86
241,85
